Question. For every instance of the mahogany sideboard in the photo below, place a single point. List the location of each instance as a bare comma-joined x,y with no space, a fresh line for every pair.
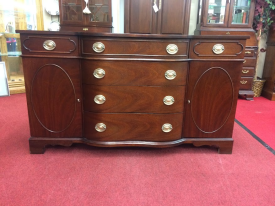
146,90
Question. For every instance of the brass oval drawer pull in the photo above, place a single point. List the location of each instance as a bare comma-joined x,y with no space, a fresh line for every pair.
167,127
245,71
243,82
168,100
248,52
218,48
99,99
244,61
227,33
99,73
170,74
49,45
100,127
85,29
172,49
98,47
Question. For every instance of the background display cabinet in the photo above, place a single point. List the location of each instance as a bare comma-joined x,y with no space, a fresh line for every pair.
235,17
85,15
157,16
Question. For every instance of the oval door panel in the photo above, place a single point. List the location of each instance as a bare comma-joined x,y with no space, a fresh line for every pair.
54,112
210,113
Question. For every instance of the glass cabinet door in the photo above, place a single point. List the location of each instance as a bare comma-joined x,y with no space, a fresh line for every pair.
241,11
72,11
100,11
216,12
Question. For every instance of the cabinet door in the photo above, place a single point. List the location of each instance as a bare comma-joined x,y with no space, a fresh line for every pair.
173,17
211,99
216,13
140,16
241,13
53,96
71,12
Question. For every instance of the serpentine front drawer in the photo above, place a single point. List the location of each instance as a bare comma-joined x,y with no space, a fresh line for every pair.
130,47
132,126
49,45
166,99
134,73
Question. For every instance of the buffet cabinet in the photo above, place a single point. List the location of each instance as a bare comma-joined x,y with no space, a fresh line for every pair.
111,90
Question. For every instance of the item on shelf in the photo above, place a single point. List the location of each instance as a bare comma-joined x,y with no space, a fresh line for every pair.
52,7
54,26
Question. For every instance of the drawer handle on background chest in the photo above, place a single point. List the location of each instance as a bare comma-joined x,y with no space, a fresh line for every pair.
99,73
243,82
167,127
100,127
168,100
98,47
248,52
49,45
244,61
170,74
227,33
172,49
245,71
99,99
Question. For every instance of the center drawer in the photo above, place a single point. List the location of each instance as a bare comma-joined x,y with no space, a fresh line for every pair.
134,72
152,99
126,127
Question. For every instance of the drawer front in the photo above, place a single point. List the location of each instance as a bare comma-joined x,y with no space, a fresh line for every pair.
128,47
249,62
249,52
207,49
49,45
252,41
246,83
133,99
134,73
248,71
126,127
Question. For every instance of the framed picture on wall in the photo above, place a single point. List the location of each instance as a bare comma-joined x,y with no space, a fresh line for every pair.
4,88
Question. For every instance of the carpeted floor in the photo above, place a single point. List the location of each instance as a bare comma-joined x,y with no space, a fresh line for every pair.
82,175
258,116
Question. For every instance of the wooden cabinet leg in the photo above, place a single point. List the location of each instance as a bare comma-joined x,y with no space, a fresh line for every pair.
36,147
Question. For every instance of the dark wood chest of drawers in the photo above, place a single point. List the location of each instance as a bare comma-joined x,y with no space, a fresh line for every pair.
131,90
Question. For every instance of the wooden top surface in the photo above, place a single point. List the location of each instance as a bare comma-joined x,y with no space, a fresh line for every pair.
148,36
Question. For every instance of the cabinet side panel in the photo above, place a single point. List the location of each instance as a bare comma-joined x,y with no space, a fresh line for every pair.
52,89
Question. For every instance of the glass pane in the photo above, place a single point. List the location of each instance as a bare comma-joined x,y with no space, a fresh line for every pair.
72,10
241,12
99,10
21,15
216,11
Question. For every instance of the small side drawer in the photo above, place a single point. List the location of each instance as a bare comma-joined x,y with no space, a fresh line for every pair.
134,73
246,83
207,49
249,62
133,99
252,41
49,45
132,127
249,52
248,71
130,47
